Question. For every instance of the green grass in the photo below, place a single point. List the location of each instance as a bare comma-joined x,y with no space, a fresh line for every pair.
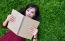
52,17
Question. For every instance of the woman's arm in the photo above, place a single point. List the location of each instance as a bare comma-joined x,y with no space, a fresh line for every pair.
35,38
9,18
5,22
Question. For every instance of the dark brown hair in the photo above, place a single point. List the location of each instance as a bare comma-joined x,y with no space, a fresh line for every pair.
36,17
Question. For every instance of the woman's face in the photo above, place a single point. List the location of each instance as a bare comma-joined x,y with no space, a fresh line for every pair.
30,12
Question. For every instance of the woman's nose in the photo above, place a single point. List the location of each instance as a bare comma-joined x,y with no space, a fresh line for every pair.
28,13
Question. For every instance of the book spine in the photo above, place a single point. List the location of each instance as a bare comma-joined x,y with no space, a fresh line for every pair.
20,25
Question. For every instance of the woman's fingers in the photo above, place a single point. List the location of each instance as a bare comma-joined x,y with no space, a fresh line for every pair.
36,31
10,18
33,30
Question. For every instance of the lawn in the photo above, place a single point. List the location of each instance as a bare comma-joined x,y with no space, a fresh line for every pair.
52,17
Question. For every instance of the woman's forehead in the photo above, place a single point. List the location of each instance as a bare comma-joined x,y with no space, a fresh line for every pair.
31,8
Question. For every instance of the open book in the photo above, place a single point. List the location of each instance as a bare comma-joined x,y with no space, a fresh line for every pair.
21,25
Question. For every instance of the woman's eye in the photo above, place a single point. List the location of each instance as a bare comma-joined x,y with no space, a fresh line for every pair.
32,12
28,10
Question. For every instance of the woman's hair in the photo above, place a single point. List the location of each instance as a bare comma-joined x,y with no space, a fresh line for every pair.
36,17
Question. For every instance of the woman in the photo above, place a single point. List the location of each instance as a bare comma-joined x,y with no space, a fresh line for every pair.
30,11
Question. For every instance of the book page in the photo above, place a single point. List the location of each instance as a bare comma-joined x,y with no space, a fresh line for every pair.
26,25
15,25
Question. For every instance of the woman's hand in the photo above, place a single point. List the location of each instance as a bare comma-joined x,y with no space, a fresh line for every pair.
33,30
9,18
